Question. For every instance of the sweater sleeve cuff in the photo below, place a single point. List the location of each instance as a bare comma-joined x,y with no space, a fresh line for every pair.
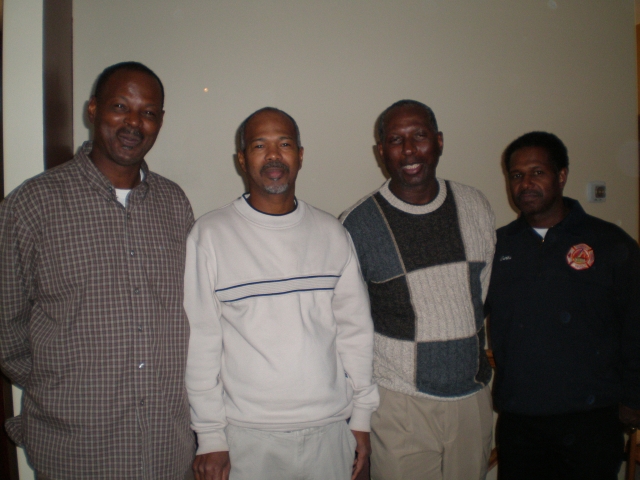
360,420
214,441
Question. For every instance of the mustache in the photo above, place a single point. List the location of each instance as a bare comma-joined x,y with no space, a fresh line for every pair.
131,131
529,192
275,164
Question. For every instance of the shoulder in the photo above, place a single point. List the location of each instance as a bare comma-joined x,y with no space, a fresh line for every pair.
166,187
324,221
469,195
608,232
357,209
38,189
217,218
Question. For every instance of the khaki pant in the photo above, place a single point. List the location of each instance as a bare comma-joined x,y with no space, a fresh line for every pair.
318,453
424,439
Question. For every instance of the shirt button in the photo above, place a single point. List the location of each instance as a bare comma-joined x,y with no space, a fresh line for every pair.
141,366
136,291
139,328
128,215
142,402
132,253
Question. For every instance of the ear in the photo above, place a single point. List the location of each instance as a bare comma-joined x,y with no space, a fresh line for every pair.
562,177
440,142
300,155
241,161
161,119
91,109
380,150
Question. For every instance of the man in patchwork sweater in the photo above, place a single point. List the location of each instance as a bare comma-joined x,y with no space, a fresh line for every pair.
425,247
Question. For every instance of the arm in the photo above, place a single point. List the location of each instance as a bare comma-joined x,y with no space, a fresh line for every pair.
354,340
18,256
202,378
627,289
363,452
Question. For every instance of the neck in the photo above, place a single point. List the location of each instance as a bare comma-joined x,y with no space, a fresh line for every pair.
549,218
416,195
120,176
273,204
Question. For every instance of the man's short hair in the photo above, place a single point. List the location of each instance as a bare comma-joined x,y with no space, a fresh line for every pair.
402,103
242,143
130,66
554,147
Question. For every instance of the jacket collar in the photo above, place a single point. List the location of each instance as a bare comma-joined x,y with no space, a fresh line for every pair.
576,215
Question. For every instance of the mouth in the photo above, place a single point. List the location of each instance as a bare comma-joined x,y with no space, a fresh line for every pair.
528,195
274,170
130,138
412,169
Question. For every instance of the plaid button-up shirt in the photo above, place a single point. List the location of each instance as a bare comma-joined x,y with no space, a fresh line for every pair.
92,324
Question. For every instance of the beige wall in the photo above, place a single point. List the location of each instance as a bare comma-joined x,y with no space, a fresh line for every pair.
22,114
491,70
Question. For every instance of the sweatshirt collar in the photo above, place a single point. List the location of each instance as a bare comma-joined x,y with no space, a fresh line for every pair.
270,221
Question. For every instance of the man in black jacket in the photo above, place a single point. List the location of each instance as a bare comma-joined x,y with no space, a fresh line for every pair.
564,304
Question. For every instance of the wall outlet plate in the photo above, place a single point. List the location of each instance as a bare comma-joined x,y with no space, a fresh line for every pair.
596,192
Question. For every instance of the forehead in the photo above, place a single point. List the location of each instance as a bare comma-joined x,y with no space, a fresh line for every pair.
530,157
132,82
407,116
269,122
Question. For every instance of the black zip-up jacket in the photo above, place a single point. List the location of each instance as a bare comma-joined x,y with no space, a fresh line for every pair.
565,335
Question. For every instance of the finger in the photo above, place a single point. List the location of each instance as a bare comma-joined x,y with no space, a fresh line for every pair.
357,468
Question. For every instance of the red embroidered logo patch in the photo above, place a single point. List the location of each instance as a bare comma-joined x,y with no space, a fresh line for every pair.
580,256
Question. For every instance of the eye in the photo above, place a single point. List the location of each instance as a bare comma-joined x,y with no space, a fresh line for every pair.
395,140
515,176
285,144
150,113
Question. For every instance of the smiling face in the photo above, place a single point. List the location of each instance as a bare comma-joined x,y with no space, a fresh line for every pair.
126,118
410,150
271,158
536,187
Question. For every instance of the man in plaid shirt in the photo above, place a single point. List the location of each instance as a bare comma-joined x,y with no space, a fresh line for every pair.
91,284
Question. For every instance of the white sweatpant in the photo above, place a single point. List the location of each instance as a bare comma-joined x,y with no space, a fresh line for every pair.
317,453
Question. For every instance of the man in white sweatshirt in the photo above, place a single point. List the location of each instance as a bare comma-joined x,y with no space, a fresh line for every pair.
281,348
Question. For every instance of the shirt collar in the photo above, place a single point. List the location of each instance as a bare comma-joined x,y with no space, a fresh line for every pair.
100,182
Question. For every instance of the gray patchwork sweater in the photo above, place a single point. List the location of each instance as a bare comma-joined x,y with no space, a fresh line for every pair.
427,269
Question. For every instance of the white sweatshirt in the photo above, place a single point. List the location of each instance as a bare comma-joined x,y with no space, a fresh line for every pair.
281,329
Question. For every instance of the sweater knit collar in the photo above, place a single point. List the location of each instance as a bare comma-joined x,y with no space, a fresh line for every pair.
270,221
432,206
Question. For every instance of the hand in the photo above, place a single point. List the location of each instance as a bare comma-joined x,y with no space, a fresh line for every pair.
212,466
629,416
363,452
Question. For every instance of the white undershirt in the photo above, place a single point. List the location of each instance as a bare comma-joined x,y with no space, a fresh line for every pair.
541,231
123,193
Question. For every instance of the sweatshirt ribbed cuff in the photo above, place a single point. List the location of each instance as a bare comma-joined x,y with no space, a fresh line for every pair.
215,441
360,420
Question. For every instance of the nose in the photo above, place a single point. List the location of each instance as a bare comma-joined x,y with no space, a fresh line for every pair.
408,147
273,153
132,118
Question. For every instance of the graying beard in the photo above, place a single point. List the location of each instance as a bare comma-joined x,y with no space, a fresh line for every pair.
276,189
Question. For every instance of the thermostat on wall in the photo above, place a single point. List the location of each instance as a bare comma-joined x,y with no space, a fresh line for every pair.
596,192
